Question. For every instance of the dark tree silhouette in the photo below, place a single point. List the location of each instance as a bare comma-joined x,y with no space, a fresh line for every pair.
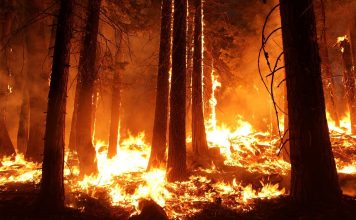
6,19
199,143
313,176
88,75
349,81
159,139
51,197
115,111
176,164
73,131
22,133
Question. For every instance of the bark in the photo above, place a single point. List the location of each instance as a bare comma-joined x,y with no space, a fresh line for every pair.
349,81
23,131
190,49
88,75
207,79
73,131
313,172
199,143
159,138
286,147
115,113
51,197
176,164
328,80
6,146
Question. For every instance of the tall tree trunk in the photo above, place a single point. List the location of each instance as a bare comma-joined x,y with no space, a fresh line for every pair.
190,49
22,133
115,112
159,139
313,176
208,64
6,146
88,75
51,197
349,81
73,131
328,81
176,164
199,143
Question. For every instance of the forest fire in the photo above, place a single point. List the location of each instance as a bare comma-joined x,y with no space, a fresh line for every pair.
177,109
242,147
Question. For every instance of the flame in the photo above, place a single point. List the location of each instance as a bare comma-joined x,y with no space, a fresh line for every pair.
342,38
124,181
344,124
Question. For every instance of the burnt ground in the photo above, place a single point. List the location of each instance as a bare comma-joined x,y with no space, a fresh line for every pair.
17,203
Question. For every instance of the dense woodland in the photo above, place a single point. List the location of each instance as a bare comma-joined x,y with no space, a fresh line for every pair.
73,72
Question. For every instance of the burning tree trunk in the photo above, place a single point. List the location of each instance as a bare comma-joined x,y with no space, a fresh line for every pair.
199,143
6,146
115,112
314,177
159,139
88,75
349,81
190,49
22,133
176,165
328,81
51,196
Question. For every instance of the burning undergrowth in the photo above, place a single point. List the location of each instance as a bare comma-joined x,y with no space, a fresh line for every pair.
249,169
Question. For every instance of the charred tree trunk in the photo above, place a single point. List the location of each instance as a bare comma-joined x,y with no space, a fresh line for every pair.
115,113
22,133
328,80
6,146
88,75
190,49
73,131
176,164
349,81
313,176
207,79
199,143
159,139
51,197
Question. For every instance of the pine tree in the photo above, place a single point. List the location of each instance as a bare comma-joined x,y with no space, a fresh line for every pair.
88,75
159,139
313,175
51,197
199,143
176,164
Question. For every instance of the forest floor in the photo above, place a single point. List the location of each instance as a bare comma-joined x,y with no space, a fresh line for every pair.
18,204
